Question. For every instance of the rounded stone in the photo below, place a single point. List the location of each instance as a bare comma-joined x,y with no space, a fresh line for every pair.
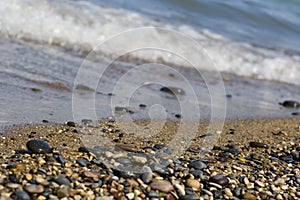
258,145
190,197
38,146
193,183
162,185
64,191
62,180
219,179
197,164
35,189
21,195
147,174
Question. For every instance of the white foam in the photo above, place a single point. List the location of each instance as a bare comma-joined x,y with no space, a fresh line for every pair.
81,26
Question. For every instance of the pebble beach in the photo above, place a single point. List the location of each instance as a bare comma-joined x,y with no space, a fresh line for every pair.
253,159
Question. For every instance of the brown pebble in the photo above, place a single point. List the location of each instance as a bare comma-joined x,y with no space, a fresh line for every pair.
193,183
249,196
258,145
161,185
35,189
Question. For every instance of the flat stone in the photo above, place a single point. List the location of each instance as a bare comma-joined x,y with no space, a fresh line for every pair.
161,185
34,189
38,146
90,174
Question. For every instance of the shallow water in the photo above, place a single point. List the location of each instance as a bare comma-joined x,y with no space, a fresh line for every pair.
37,84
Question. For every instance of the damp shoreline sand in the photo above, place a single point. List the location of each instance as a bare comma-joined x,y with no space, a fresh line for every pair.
234,169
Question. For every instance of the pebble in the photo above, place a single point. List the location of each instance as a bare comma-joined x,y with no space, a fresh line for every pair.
139,159
64,191
147,174
173,90
190,197
162,185
219,179
180,189
21,195
290,104
62,180
197,164
35,189
38,146
193,183
258,145
71,124
228,192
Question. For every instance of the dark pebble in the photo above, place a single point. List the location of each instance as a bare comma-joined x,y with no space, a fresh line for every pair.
82,162
197,164
62,180
173,90
38,146
20,195
290,104
178,115
295,113
258,145
83,150
228,95
220,179
142,106
190,197
60,159
45,121
71,124
197,173
13,178
159,146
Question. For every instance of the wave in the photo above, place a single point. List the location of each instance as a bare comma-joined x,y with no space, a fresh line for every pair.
82,26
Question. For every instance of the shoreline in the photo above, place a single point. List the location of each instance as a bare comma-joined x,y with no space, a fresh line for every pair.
253,159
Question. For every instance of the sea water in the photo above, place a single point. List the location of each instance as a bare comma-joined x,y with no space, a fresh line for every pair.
254,45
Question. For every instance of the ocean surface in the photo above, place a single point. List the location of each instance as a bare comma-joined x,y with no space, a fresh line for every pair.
252,47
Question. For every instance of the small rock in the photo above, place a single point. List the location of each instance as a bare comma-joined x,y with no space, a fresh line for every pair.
153,194
190,197
228,192
20,195
180,189
197,164
147,174
258,145
71,124
220,179
35,189
193,183
249,196
82,162
62,180
290,104
64,191
139,159
173,90
38,146
162,185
